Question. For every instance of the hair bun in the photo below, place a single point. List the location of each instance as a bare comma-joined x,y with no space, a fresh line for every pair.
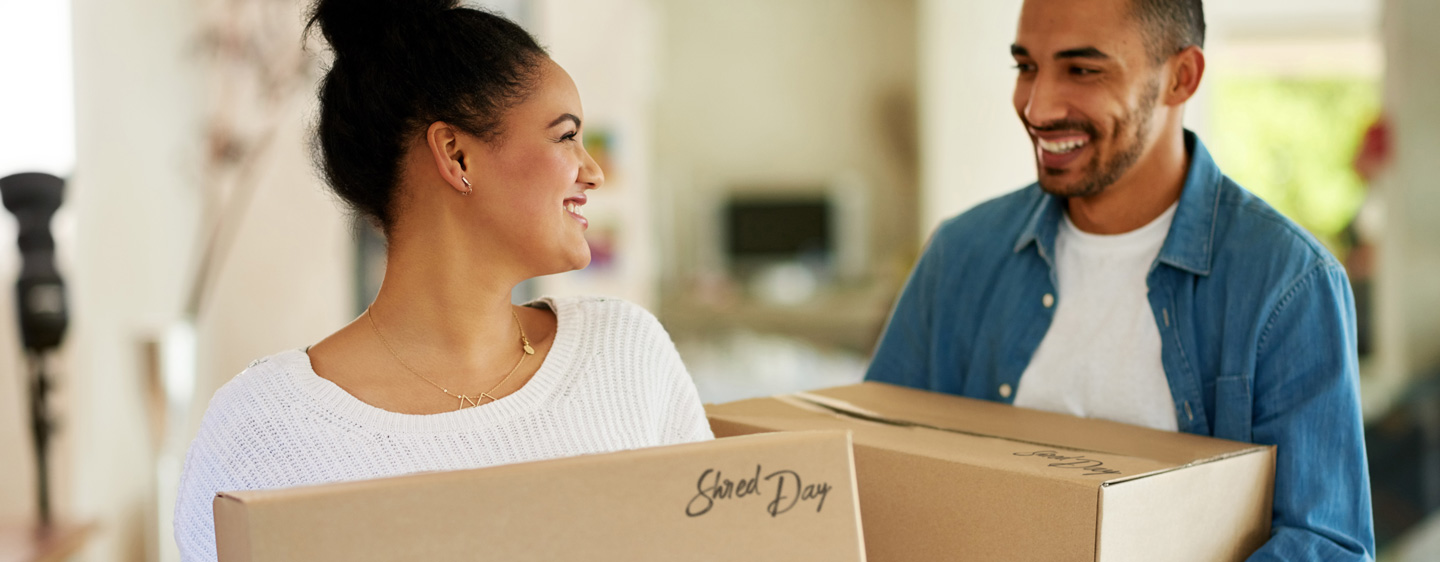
353,25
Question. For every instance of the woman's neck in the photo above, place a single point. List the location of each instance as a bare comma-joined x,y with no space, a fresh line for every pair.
438,302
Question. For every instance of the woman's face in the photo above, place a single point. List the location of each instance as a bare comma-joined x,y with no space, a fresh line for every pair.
530,182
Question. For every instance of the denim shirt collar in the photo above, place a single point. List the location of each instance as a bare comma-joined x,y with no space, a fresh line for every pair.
1190,242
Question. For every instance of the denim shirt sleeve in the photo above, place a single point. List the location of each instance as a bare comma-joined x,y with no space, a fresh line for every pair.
1306,402
903,356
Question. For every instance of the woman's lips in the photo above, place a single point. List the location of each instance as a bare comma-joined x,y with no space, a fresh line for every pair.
573,207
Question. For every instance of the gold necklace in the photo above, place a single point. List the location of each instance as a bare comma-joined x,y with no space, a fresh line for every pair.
464,399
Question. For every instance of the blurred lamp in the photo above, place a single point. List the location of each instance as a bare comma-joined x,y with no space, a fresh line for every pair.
40,301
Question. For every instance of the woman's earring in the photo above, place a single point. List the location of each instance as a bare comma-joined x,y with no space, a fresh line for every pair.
468,189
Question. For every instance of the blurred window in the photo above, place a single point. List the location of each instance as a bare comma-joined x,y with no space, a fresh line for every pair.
1287,119
37,104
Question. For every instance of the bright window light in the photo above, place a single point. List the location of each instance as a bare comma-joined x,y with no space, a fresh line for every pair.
37,99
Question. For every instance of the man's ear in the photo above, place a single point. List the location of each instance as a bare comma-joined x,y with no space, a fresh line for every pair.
448,151
1186,69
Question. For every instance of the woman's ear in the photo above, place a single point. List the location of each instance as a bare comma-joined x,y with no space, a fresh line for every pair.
448,151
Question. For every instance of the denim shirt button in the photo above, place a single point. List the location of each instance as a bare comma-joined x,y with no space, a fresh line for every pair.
1005,390
1048,300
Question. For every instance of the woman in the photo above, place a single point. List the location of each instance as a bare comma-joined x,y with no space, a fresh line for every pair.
454,131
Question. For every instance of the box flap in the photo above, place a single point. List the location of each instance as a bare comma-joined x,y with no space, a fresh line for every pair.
773,496
1089,469
981,417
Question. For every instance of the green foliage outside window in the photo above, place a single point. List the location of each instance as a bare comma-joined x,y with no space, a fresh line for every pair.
1291,141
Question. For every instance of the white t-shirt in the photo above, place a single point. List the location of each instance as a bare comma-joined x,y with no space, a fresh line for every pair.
612,381
1101,356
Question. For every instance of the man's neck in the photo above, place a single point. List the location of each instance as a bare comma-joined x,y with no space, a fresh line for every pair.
1150,187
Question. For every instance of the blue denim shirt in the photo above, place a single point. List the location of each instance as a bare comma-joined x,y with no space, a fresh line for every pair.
1257,329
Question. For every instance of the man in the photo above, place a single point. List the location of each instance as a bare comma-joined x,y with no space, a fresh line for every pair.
1135,282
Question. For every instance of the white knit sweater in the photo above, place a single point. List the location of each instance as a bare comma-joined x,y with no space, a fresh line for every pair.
612,381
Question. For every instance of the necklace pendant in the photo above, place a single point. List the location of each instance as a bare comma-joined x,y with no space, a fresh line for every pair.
467,400
529,350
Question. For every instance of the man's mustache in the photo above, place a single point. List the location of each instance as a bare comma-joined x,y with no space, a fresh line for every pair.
1067,125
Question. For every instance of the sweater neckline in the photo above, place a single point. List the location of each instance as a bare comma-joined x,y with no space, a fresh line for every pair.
547,382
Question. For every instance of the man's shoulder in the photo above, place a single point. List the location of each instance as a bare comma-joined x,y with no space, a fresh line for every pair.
996,223
1250,232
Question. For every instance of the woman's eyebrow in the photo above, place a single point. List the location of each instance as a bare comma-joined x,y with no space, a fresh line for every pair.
564,117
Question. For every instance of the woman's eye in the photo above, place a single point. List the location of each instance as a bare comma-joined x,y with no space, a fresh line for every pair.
569,136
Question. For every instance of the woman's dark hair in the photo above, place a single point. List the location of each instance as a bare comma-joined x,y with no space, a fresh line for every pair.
399,66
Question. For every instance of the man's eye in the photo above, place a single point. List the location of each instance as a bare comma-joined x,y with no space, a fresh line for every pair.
1078,71
1025,67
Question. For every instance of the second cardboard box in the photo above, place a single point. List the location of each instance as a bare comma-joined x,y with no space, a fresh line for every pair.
949,478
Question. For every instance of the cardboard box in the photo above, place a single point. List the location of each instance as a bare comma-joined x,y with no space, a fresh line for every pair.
949,478
745,499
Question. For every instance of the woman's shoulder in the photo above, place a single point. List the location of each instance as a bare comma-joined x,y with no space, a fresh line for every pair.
613,330
246,441
257,391
606,314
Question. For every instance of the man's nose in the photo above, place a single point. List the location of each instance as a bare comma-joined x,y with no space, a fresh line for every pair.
1045,105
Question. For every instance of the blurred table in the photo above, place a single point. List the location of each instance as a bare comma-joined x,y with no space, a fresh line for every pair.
30,543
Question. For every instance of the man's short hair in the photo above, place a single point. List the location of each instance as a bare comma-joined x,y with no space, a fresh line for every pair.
1170,25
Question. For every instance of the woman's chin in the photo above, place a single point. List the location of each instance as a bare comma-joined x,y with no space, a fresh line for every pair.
557,268
578,260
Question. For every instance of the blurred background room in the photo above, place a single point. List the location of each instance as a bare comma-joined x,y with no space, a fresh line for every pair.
773,170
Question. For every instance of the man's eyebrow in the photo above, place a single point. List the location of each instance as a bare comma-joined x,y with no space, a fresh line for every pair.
562,118
1082,53
1018,51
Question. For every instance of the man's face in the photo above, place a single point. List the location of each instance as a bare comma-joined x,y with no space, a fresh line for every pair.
1086,91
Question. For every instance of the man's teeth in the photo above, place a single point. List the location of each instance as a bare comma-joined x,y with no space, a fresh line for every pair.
1062,147
574,208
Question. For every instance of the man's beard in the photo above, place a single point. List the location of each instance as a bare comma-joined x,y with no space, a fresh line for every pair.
1102,172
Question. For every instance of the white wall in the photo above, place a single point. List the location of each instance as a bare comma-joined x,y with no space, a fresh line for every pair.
761,93
973,147
135,194
1291,17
